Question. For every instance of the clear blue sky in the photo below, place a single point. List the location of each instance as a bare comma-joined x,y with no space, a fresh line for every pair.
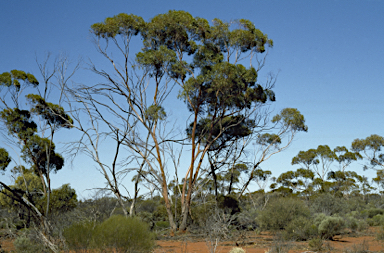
329,55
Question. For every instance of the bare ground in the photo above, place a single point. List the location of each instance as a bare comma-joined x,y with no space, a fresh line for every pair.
259,243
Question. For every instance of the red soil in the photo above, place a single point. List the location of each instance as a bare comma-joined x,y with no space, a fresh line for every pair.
254,243
262,242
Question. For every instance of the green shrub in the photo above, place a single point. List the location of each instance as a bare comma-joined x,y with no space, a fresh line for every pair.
376,220
330,226
355,224
201,213
79,235
146,216
162,224
124,235
329,204
370,213
247,219
118,232
362,225
280,212
147,205
160,214
380,234
300,229
24,244
316,244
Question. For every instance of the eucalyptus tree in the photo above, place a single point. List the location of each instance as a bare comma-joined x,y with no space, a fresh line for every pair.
205,61
345,157
36,148
285,126
318,160
370,149
217,90
379,180
125,109
299,181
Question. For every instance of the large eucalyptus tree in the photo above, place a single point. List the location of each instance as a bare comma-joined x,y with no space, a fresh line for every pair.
206,62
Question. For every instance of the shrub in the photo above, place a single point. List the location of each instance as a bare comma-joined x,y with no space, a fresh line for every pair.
229,204
246,220
118,232
355,224
279,246
376,220
147,205
280,212
79,235
328,204
380,234
300,229
146,216
160,214
162,225
330,226
123,234
24,244
237,250
316,244
201,213
370,213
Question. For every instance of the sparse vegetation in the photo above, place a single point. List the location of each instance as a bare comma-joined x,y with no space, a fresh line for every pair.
229,133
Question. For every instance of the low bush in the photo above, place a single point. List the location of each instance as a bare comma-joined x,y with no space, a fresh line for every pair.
124,235
330,226
246,220
237,250
117,233
380,234
280,212
300,229
162,225
355,224
376,220
25,244
279,246
370,213
79,235
315,244
329,205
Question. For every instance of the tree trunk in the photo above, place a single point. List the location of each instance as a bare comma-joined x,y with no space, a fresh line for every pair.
168,207
214,179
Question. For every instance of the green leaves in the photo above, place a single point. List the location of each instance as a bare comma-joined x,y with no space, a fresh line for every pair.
40,153
228,129
19,122
52,113
345,157
122,24
267,139
158,61
5,159
292,118
14,77
370,147
175,30
155,112
373,142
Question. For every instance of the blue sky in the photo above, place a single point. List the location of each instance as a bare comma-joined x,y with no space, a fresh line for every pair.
329,56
